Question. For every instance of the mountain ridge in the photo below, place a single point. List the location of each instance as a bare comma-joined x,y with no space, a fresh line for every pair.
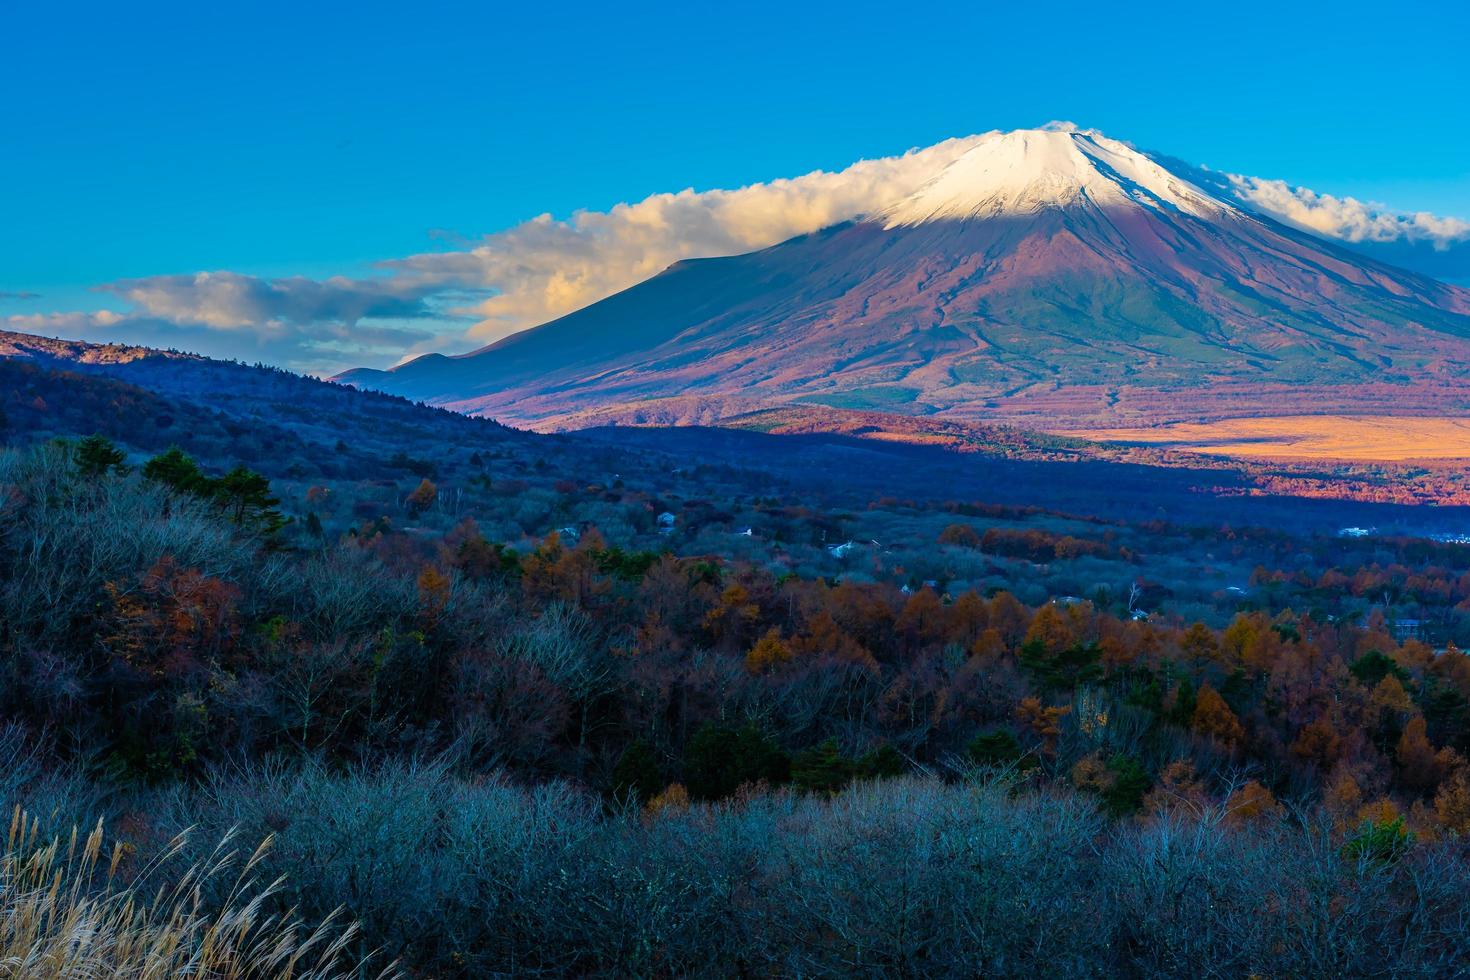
1039,271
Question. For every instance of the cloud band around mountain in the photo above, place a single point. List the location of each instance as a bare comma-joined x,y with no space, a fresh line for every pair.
547,267
1346,218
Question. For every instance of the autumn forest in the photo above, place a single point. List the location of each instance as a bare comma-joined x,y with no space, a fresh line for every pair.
521,707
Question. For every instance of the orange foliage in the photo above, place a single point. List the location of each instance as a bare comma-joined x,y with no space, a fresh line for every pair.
1092,774
434,587
1380,811
422,497
1044,722
1199,647
922,619
1178,785
733,616
960,534
769,652
988,646
176,618
1342,797
673,799
554,571
1050,629
1251,801
1420,766
1214,719
1318,742
1452,804
1390,696
824,638
967,617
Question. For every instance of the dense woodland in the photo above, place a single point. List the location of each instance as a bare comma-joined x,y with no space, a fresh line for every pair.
524,704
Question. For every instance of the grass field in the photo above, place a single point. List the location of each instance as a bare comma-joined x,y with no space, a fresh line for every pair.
1375,437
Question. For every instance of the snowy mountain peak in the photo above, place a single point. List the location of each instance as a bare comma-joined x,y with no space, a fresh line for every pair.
1027,170
1023,276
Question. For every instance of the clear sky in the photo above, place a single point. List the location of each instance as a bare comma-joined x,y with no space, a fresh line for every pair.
312,139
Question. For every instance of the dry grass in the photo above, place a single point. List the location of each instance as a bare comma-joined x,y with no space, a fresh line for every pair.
1338,437
66,913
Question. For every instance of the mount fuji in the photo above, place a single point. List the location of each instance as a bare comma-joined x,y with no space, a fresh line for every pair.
1057,278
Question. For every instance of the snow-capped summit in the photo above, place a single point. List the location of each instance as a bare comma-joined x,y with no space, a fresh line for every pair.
1026,170
1048,275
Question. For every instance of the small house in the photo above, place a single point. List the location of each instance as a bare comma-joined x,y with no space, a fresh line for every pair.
1408,629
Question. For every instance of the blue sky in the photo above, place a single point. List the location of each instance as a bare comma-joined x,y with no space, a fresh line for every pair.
314,139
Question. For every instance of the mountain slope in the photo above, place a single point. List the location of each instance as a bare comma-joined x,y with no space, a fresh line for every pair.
305,432
1060,277
222,411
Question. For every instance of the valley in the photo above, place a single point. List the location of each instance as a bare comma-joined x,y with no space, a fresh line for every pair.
1317,437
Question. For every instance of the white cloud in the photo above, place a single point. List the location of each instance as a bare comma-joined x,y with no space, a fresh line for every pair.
230,301
1345,218
316,326
536,271
312,347
547,267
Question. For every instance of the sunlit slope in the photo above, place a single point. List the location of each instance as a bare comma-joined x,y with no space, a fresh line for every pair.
1055,277
1336,437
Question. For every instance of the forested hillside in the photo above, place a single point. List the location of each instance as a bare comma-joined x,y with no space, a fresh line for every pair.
465,740
784,699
